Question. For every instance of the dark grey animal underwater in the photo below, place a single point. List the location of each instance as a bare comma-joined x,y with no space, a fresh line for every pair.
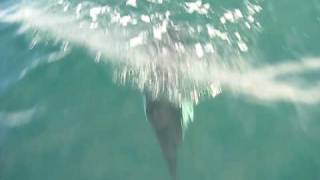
166,120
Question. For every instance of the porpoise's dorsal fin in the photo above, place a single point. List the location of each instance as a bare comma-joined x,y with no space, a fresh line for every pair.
166,120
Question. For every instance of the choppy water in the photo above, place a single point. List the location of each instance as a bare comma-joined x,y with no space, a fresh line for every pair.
72,75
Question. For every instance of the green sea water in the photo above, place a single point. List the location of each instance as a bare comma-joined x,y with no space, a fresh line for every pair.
69,119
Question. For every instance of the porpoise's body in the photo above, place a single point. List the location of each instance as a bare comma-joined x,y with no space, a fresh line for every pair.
166,120
169,120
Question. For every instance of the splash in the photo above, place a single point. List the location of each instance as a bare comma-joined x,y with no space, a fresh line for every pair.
168,56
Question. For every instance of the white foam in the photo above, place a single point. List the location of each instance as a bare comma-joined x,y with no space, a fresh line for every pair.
145,18
209,48
132,3
17,118
212,74
242,46
159,29
199,50
237,14
136,41
95,11
250,19
155,1
212,32
124,20
197,7
78,10
229,16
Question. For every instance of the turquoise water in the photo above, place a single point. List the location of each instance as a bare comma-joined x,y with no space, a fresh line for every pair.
64,114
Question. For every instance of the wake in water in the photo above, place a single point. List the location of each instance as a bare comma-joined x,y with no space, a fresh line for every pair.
174,60
166,55
156,52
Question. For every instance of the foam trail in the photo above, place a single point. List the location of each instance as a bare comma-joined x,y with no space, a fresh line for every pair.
260,83
67,28
14,119
291,67
263,83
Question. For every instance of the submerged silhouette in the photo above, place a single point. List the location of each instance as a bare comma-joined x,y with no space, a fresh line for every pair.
166,120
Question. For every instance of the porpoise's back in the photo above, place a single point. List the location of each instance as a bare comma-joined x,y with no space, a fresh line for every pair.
166,118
